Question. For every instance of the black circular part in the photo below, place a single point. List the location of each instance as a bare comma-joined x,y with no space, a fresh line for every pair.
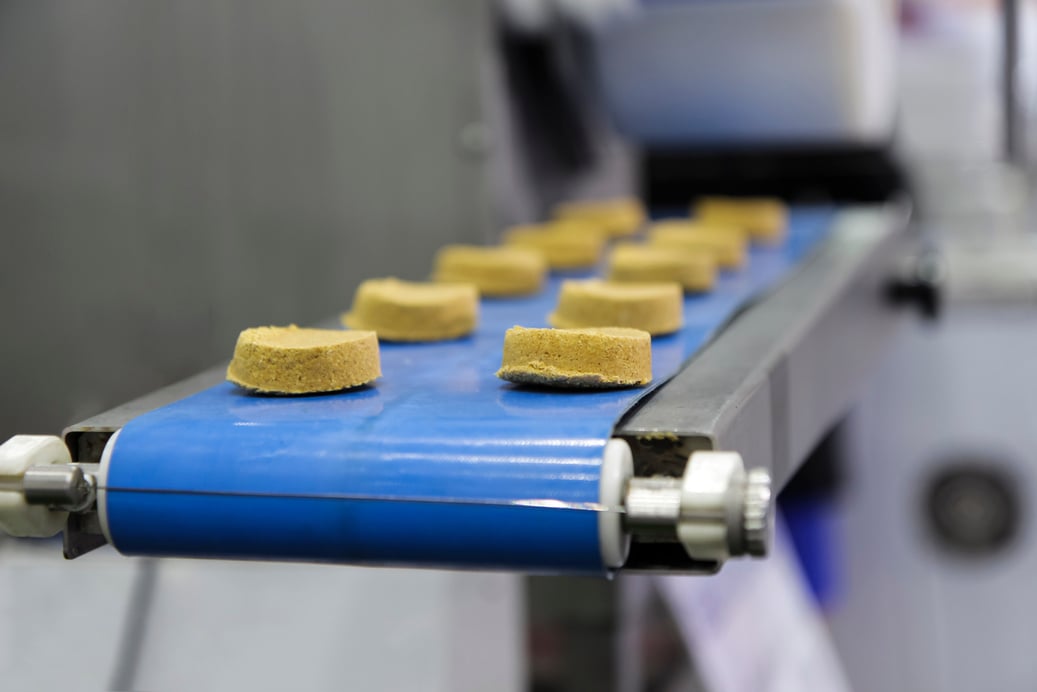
973,510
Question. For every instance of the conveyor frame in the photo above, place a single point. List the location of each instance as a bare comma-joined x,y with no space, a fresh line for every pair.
767,386
784,370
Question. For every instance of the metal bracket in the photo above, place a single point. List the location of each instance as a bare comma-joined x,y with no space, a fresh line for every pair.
715,511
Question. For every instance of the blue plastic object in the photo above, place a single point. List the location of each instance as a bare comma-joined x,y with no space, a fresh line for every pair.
812,523
439,463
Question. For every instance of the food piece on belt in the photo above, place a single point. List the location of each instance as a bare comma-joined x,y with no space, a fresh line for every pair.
694,271
494,271
408,311
293,360
729,245
614,217
657,308
597,358
564,245
765,218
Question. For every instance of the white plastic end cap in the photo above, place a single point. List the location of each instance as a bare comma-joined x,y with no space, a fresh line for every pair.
617,468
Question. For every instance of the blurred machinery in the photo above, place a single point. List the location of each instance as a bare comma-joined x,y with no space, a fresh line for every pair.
936,511
230,136
936,520
789,98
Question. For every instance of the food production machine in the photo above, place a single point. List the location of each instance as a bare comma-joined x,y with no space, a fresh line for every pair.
441,464
275,156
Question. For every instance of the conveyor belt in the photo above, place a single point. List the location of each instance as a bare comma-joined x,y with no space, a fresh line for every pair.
439,463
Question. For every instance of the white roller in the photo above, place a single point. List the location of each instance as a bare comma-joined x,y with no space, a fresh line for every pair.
617,468
102,488
17,518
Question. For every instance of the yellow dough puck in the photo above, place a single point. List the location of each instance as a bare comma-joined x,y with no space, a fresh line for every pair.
563,245
604,358
729,245
494,271
291,360
765,218
614,217
694,271
407,311
656,308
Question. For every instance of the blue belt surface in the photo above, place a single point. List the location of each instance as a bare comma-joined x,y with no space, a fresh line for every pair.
439,463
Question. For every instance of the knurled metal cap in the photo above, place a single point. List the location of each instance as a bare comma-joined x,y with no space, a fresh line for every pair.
756,510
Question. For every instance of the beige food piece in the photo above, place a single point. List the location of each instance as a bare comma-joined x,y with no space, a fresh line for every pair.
604,358
694,271
657,308
495,271
407,311
765,218
729,245
563,245
291,360
615,217
580,227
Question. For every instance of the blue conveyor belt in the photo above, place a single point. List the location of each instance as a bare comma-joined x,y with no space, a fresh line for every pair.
439,463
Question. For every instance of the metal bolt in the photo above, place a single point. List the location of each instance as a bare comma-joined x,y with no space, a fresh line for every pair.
756,506
59,486
716,510
652,501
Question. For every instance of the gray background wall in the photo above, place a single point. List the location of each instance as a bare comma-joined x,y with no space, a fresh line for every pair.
173,172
